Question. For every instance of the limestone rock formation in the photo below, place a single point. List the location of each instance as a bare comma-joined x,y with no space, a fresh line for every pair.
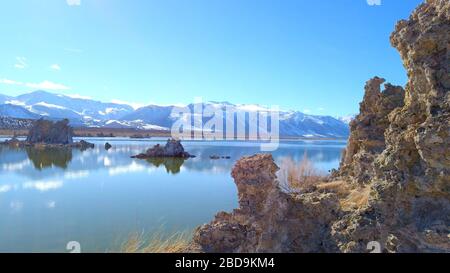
399,149
108,146
49,132
173,148
268,219
46,133
409,209
83,145
367,130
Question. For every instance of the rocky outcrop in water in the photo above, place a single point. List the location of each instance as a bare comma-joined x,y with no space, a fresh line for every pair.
46,133
398,150
108,146
83,145
173,148
49,132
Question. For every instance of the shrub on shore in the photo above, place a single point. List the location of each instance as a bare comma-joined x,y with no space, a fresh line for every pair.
299,176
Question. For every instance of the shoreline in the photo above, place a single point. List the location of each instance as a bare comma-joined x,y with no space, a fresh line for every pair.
136,134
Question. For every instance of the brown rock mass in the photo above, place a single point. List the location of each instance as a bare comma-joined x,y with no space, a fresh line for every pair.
367,130
398,150
268,219
409,209
49,132
173,148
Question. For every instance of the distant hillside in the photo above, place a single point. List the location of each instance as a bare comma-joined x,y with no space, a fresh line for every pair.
90,113
14,123
15,111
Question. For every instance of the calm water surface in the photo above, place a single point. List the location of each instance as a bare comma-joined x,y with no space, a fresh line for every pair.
99,197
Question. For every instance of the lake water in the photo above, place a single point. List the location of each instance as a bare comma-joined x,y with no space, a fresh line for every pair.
99,197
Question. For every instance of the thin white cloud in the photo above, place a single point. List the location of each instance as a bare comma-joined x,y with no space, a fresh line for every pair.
21,63
73,2
374,2
306,111
47,85
11,82
51,204
16,206
55,67
5,188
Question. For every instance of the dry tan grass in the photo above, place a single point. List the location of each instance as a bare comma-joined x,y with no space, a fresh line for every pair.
351,196
303,176
357,198
340,187
157,242
299,176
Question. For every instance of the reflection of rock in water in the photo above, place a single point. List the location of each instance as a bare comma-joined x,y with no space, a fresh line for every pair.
48,157
172,164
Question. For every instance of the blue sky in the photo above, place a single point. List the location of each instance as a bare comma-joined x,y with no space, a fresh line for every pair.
313,56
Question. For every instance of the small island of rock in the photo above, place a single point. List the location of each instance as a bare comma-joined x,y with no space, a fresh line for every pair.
46,133
173,148
108,146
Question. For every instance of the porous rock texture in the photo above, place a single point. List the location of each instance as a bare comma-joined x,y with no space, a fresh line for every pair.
49,132
173,148
367,138
399,148
268,219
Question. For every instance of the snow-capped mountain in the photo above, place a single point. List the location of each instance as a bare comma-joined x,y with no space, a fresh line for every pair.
4,98
152,114
62,106
347,119
292,123
14,123
299,124
91,113
15,111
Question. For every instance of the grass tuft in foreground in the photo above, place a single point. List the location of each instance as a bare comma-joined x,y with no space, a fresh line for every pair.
299,176
157,242
351,196
303,176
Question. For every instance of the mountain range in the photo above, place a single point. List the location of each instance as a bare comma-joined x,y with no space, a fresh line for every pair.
91,113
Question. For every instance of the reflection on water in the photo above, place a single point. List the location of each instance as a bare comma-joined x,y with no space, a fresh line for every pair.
48,157
51,196
173,165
